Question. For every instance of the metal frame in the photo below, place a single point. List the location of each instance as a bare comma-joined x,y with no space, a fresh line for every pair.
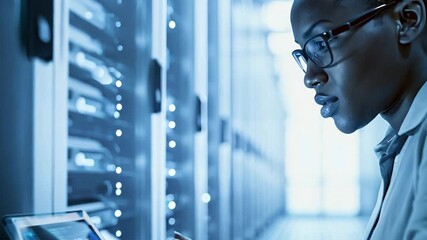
201,137
158,126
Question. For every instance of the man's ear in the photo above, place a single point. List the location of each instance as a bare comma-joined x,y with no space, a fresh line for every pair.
412,20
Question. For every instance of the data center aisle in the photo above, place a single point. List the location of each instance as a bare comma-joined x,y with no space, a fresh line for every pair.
312,228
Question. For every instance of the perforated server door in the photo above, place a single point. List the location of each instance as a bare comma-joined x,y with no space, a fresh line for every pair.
186,154
109,109
180,190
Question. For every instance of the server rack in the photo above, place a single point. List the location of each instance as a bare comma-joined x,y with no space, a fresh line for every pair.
72,147
186,157
257,195
34,125
219,117
83,112
246,125
16,142
180,191
107,147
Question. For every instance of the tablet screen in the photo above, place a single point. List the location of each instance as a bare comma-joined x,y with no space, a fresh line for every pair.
59,226
65,231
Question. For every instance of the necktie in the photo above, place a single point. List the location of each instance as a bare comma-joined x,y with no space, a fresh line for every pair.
387,151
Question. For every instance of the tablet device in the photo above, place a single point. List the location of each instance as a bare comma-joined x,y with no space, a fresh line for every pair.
75,225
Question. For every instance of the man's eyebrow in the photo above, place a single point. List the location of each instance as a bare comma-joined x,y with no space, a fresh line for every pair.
310,29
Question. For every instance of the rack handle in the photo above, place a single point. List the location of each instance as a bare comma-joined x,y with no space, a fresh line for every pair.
198,115
40,29
155,86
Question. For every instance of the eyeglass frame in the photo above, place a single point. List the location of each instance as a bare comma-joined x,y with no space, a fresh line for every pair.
347,26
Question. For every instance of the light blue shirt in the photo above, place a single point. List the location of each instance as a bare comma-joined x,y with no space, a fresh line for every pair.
403,212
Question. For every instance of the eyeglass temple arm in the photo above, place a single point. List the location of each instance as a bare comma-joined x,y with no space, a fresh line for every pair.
359,20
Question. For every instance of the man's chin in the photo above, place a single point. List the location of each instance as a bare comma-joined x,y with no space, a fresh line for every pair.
344,126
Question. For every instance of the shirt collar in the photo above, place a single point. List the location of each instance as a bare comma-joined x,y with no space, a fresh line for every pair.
416,113
413,119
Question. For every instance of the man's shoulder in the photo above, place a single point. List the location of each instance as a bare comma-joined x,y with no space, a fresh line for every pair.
423,124
419,135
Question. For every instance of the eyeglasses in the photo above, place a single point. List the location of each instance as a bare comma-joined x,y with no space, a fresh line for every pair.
317,48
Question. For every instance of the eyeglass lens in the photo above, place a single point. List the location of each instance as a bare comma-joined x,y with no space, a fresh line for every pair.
301,60
318,51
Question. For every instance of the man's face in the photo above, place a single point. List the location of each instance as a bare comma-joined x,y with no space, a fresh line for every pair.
363,80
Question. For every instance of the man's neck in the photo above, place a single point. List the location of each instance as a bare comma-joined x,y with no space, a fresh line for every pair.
396,113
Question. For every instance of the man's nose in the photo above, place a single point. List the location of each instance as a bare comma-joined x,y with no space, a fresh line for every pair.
315,76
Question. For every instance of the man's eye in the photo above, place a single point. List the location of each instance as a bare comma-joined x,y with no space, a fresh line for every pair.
321,46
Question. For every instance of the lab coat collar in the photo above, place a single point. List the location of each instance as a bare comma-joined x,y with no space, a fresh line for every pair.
416,113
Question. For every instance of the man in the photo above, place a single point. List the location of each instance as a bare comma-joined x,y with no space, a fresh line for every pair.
368,57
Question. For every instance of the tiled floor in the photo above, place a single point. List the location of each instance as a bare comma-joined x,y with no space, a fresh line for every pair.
310,228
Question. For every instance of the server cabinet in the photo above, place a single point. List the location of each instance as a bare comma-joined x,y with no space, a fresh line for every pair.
219,117
180,190
83,113
186,150
16,142
109,115
33,128
257,181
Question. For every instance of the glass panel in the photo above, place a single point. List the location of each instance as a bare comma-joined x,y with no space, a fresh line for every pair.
318,50
103,177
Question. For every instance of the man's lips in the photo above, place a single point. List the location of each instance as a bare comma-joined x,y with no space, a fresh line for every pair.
330,105
323,99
